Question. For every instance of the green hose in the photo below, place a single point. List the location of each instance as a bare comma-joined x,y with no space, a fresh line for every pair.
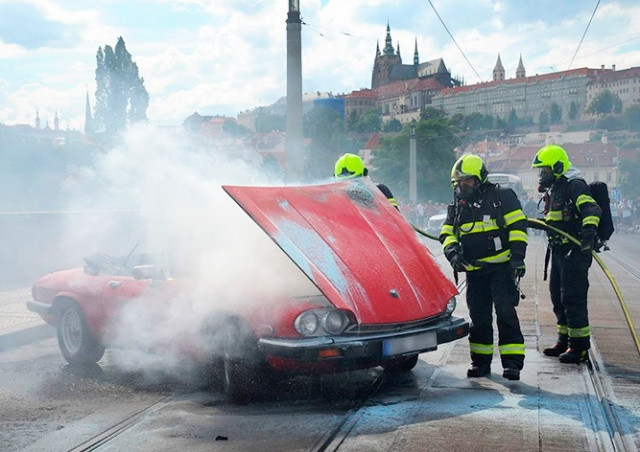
606,271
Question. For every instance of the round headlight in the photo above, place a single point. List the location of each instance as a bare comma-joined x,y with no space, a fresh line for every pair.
307,323
451,305
334,322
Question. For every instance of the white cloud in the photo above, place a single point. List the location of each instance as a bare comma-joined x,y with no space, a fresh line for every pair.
225,56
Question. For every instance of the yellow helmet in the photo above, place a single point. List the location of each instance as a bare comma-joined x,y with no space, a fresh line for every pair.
469,165
554,157
348,166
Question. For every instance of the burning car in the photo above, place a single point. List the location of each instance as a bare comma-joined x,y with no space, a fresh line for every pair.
382,297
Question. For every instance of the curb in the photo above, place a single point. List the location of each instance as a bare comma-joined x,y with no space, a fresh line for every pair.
26,336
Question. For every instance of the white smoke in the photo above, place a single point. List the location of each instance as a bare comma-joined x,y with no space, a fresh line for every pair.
174,188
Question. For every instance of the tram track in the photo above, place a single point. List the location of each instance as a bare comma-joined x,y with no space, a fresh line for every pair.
108,435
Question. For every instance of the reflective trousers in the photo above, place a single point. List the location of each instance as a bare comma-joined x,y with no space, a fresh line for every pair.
568,285
486,288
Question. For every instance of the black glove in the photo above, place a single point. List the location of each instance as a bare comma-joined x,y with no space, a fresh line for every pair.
453,253
587,238
517,265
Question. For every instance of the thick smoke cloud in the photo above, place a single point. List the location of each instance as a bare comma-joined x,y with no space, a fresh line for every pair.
175,208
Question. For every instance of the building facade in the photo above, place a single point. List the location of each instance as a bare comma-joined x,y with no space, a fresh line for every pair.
625,84
527,96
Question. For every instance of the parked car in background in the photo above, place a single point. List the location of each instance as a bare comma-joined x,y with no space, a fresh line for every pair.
435,222
382,299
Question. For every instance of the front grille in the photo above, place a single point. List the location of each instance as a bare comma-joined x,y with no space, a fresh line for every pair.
357,330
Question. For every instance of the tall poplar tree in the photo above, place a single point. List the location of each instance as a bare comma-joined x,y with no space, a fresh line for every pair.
121,98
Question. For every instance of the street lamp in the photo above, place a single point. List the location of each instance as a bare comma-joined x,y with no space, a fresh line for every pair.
413,187
294,142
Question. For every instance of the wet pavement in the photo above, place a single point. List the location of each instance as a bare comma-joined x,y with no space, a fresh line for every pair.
435,407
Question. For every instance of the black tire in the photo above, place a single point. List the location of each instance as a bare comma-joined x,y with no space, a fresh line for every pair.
401,365
77,344
242,368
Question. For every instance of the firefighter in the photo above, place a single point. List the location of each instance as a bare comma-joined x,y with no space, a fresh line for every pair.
351,165
569,207
485,236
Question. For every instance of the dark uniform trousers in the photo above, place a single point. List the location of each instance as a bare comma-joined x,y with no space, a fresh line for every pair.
494,285
568,285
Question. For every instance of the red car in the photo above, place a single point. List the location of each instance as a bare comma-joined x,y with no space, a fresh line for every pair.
383,297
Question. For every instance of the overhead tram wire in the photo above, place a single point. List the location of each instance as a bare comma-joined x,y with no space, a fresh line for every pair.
455,42
583,34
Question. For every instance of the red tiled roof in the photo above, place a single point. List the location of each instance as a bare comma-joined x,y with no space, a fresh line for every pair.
363,93
611,76
408,86
533,79
373,142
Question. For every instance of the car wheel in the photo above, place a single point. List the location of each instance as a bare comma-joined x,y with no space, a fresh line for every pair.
242,369
401,365
76,343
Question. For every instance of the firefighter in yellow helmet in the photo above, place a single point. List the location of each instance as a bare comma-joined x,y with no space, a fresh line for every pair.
569,207
485,236
351,165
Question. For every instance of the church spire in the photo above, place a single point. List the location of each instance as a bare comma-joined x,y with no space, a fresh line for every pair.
398,52
388,45
416,58
88,118
37,119
377,48
56,122
498,70
520,72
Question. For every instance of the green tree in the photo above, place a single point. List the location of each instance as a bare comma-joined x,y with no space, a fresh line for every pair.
512,121
268,122
325,128
543,122
629,176
367,122
435,141
605,103
121,98
393,125
632,118
573,111
555,113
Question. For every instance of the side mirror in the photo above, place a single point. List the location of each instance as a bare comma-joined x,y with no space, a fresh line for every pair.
144,271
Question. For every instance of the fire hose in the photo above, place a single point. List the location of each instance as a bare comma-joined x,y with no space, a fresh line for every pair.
605,269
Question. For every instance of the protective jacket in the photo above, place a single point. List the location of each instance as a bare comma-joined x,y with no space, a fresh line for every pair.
489,227
570,208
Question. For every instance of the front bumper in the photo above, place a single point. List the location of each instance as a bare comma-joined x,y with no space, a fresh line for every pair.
373,347
39,308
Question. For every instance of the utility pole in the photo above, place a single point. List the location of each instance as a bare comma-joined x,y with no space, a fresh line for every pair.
294,141
413,184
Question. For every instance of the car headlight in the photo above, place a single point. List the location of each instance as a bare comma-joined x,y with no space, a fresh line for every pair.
318,322
334,322
451,305
307,323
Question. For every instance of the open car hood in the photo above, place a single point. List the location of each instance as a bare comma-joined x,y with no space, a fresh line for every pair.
354,246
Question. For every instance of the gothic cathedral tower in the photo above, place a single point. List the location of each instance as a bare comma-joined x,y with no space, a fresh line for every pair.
384,62
498,70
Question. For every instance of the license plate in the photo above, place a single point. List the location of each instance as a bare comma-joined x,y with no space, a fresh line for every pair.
400,345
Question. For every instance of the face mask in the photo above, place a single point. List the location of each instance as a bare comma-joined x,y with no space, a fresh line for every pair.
546,179
466,190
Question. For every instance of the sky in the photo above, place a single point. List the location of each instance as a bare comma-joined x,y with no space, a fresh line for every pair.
222,57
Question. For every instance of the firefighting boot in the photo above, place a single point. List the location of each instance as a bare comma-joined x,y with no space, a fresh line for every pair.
511,373
574,356
559,347
478,370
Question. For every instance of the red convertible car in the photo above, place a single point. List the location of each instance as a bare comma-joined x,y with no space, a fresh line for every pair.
382,297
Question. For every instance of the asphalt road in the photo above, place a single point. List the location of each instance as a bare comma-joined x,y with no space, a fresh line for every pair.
132,401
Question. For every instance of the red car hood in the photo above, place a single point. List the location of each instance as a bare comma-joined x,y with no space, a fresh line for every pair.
354,246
